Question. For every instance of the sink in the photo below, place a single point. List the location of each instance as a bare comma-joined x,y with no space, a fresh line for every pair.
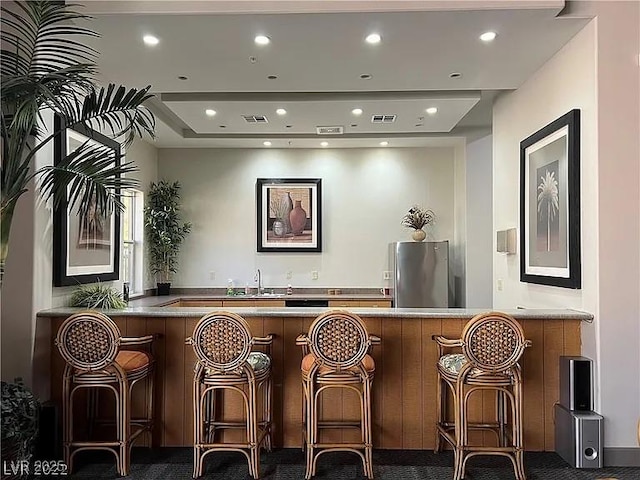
263,295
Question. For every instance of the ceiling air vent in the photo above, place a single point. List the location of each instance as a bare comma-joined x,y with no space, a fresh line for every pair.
383,118
255,119
338,130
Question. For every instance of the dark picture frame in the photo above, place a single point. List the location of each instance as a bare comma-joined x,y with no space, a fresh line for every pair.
289,214
86,245
550,204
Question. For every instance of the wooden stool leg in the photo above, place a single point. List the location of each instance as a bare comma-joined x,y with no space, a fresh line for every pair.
150,394
368,440
310,433
501,415
518,434
67,419
460,426
305,419
123,422
268,412
197,427
440,413
252,432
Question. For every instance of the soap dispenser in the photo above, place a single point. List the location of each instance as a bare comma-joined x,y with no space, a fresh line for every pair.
289,290
230,287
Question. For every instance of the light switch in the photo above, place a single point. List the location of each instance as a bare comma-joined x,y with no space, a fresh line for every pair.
314,275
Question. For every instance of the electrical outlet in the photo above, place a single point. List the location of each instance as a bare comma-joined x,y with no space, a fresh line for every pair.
212,275
386,275
499,284
314,275
289,275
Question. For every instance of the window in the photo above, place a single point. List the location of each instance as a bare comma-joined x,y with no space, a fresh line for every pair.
133,237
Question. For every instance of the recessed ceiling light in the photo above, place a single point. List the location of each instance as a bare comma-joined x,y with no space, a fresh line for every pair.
366,76
373,38
384,144
455,75
267,143
210,112
150,40
262,40
324,144
281,111
357,111
272,77
432,110
488,36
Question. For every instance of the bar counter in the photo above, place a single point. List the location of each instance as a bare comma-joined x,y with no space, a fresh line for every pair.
404,400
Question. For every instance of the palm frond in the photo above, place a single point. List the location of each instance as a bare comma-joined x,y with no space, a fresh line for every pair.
89,172
117,110
39,39
44,65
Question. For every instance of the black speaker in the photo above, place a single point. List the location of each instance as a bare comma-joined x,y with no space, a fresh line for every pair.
576,391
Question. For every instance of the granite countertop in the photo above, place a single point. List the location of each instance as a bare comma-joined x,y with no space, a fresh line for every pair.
152,307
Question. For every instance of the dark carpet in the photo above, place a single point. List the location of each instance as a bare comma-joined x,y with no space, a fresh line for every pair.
288,464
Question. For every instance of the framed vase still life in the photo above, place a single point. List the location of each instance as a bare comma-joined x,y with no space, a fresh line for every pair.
289,212
86,241
550,204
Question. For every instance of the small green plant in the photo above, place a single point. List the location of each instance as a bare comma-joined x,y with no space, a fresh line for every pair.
19,420
165,231
418,217
97,295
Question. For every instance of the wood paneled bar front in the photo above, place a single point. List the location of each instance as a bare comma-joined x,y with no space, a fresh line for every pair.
404,393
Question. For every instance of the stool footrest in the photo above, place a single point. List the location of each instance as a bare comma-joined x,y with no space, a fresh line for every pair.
339,424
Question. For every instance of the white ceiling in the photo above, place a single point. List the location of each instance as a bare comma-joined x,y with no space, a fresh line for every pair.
318,59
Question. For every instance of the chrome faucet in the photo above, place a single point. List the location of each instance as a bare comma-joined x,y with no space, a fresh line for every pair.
258,278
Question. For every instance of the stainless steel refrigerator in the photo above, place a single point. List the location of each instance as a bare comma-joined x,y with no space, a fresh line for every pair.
420,274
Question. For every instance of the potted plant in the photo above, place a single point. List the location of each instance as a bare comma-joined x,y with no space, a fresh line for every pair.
97,295
165,231
46,67
19,423
418,218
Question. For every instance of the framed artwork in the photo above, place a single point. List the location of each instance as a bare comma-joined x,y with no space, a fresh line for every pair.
86,243
550,204
289,214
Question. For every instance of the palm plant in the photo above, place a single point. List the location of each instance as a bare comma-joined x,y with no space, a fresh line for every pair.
45,66
548,200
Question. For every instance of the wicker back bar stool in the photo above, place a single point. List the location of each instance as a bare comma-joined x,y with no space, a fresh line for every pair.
92,347
223,346
491,345
335,355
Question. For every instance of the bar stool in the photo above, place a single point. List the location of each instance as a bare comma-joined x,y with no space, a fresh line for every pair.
90,343
223,345
491,343
335,356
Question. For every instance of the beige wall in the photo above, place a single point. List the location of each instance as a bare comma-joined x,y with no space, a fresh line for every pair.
365,194
479,224
597,72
